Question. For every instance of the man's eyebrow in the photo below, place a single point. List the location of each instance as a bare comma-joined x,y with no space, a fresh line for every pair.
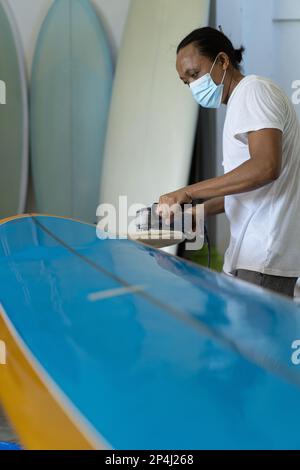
190,72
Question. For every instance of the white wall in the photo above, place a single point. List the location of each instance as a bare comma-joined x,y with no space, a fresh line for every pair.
30,14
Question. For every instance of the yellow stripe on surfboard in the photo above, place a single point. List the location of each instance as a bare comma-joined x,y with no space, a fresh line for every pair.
37,417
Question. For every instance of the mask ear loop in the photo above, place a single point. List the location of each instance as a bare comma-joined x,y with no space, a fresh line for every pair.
213,64
223,77
213,67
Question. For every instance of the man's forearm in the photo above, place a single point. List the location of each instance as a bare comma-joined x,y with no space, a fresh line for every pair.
247,177
214,206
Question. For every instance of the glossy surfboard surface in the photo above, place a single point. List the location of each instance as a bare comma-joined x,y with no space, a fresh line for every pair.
112,344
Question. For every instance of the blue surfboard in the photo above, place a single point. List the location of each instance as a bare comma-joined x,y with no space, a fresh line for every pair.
70,97
112,344
9,446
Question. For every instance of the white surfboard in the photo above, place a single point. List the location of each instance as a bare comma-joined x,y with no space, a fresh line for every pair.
153,116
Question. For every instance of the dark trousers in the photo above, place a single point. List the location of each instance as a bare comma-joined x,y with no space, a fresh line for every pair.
281,285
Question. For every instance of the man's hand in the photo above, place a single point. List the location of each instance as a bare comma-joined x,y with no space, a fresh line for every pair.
170,202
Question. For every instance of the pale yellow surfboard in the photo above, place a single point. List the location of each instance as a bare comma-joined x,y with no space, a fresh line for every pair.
153,115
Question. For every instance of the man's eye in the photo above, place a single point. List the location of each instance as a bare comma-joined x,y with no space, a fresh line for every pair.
195,75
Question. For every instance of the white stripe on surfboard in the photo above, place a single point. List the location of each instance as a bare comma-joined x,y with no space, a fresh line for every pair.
111,293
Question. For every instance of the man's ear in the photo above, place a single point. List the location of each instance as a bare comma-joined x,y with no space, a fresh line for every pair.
224,59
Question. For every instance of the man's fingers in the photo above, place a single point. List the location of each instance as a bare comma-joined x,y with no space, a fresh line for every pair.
164,210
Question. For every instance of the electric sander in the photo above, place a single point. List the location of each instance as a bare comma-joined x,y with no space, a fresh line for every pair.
151,227
149,219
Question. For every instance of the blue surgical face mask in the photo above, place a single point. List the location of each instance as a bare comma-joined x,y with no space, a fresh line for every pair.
206,92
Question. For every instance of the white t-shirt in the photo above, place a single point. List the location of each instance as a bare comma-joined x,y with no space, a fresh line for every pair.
264,223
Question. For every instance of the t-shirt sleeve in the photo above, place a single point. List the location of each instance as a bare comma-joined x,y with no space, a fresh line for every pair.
261,107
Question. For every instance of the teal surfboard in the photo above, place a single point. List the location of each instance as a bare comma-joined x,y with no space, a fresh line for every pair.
70,96
137,349
13,118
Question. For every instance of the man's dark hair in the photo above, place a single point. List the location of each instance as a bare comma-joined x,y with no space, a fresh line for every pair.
210,42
